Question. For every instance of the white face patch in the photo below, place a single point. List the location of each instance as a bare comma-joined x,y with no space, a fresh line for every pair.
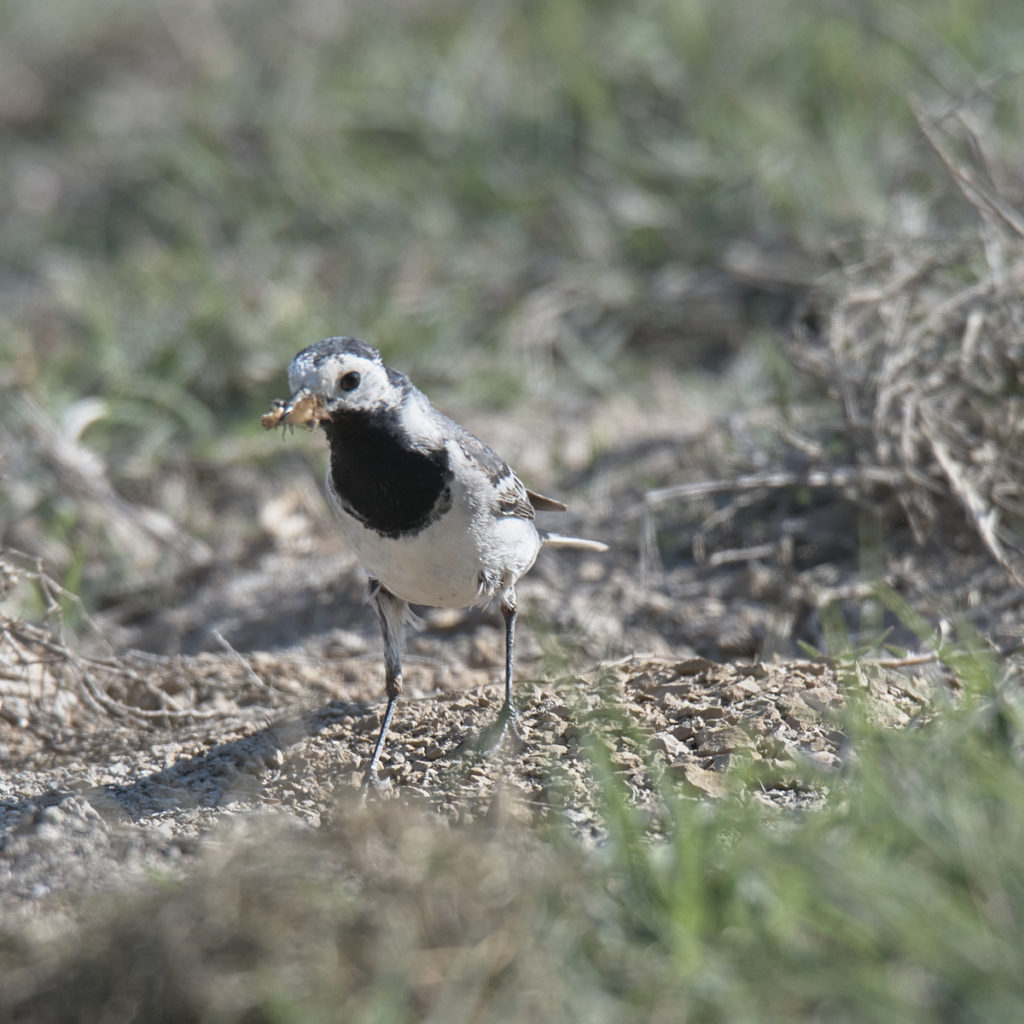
347,375
331,376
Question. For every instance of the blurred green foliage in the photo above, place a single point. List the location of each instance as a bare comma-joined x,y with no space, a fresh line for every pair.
516,201
196,190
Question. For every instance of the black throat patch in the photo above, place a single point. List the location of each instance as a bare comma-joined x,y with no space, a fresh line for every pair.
388,486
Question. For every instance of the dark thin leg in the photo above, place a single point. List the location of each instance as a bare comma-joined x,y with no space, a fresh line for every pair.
391,613
508,716
496,734
509,607
370,775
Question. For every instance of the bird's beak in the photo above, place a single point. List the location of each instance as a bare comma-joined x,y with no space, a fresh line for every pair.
303,409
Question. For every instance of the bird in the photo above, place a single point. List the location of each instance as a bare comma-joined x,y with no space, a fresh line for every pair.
434,516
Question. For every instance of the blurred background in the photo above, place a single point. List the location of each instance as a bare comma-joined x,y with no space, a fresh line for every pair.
578,226
741,280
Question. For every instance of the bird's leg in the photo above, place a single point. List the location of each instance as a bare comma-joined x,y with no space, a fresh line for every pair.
495,735
391,612
506,725
508,714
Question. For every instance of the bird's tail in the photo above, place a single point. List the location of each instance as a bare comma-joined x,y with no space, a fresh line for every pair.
559,540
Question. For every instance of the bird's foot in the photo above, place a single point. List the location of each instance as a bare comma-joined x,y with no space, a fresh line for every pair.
502,733
506,731
372,783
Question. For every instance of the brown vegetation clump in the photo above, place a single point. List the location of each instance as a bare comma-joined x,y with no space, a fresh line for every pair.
900,408
923,351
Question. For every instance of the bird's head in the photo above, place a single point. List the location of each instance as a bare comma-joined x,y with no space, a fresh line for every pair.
334,377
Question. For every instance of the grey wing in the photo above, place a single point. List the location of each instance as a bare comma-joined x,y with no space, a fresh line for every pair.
510,494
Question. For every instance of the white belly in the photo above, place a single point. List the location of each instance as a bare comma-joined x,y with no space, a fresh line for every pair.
464,558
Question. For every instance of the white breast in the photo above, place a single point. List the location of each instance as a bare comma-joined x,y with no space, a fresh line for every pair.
464,558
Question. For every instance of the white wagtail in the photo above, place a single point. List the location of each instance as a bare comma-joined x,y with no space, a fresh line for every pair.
434,516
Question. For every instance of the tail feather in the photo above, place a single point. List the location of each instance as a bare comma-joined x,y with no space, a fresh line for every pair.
541,503
559,540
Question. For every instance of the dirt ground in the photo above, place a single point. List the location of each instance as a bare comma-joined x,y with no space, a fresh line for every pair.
252,685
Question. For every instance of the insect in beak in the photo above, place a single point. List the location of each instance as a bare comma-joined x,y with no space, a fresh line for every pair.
303,409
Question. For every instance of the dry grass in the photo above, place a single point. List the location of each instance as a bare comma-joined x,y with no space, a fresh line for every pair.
900,411
49,686
923,350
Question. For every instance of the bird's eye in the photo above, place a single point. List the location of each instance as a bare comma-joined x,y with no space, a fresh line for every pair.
349,381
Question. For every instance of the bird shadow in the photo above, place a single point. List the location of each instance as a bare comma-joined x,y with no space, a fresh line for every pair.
213,778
